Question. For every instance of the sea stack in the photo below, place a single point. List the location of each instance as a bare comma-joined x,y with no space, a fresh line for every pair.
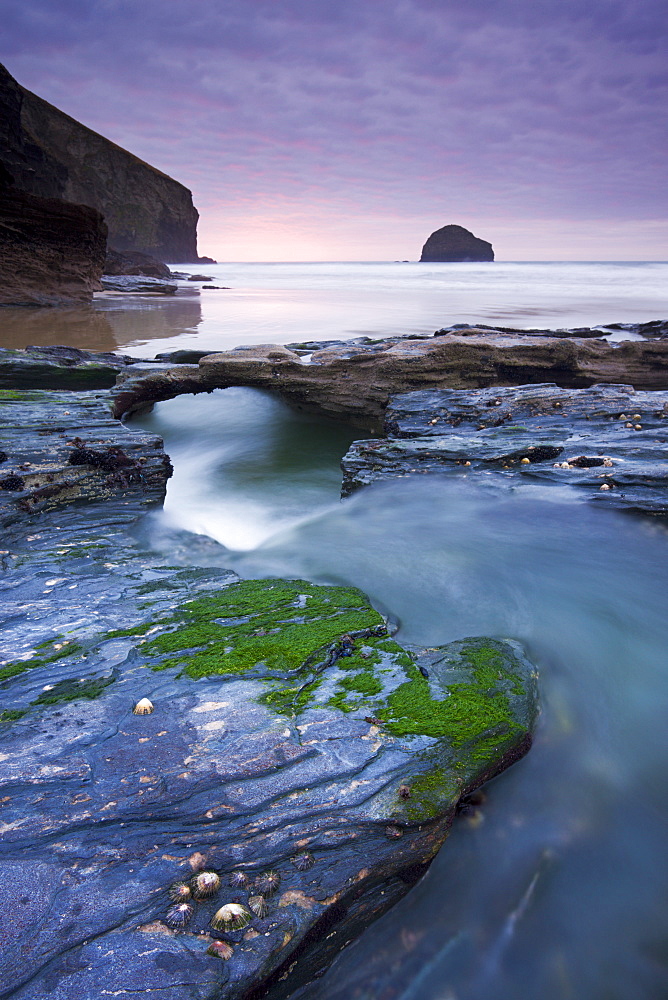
454,244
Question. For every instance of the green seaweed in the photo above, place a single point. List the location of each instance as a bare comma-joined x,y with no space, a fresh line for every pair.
428,794
468,712
19,666
72,690
278,624
18,396
12,714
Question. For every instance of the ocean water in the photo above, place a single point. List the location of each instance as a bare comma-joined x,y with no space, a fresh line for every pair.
558,889
282,303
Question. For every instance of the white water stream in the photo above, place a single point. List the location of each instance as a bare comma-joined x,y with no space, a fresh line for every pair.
561,892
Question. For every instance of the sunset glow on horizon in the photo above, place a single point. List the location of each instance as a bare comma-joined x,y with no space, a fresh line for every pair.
313,130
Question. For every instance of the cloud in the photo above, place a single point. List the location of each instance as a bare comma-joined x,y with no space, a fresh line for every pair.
513,109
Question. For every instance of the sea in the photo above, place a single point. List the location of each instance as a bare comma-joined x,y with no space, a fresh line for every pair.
557,888
284,303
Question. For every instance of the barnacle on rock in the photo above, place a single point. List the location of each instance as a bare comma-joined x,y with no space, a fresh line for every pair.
238,880
231,917
179,916
205,884
180,892
267,883
393,832
220,949
303,861
258,905
143,707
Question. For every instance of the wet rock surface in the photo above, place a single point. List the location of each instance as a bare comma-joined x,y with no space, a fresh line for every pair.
607,441
355,380
60,448
131,262
60,368
655,329
289,734
136,284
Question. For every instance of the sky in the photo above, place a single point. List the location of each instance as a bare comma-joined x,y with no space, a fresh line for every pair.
352,129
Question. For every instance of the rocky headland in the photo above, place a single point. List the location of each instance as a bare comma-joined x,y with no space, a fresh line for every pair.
454,244
51,155
51,251
210,785
65,191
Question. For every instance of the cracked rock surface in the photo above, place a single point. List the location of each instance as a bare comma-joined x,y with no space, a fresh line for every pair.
608,442
289,733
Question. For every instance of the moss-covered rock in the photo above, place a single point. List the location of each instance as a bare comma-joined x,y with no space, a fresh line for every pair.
285,721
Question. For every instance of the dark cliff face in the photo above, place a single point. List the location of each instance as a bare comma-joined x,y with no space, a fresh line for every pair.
454,244
51,155
51,251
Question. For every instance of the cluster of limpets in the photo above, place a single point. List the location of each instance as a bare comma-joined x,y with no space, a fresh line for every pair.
233,916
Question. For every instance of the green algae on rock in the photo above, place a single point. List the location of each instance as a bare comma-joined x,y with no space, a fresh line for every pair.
264,625
289,722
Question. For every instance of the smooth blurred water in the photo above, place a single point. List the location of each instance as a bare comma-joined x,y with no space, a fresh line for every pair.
281,303
561,892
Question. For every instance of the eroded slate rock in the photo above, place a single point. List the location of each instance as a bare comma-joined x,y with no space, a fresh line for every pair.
355,381
609,441
65,447
289,734
59,368
137,284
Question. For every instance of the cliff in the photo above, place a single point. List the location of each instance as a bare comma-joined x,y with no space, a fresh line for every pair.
454,244
51,251
51,155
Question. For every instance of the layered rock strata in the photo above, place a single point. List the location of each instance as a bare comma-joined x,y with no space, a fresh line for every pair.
62,448
131,262
51,252
51,155
355,381
136,285
608,442
60,368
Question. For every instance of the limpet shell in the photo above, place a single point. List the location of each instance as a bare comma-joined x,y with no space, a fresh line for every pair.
220,949
303,861
258,905
143,707
231,917
179,915
267,883
205,884
179,892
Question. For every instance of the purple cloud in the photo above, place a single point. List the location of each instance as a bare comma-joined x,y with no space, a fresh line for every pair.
492,113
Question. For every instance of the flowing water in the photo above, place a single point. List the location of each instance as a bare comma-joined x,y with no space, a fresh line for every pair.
559,889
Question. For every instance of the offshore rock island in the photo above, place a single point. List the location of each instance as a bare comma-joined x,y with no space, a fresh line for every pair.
454,244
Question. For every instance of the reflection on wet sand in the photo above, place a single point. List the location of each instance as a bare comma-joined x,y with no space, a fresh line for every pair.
111,323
